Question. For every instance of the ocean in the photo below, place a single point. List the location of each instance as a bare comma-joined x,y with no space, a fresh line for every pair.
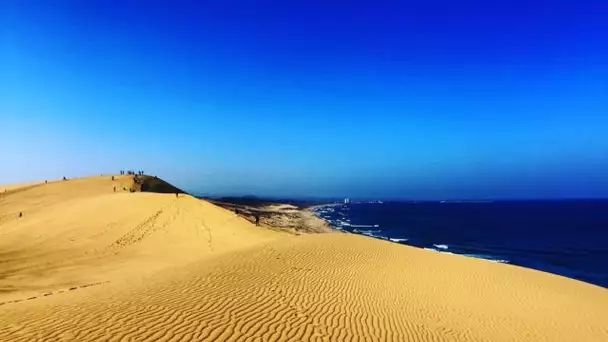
569,238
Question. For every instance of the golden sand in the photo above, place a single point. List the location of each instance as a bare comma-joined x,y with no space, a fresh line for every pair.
84,263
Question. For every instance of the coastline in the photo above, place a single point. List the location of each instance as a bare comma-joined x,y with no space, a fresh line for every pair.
338,218
316,223
279,216
89,263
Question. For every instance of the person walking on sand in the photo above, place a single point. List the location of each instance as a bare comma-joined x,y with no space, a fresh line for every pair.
257,220
176,195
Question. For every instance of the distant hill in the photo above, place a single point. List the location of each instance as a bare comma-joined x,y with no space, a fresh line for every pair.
256,202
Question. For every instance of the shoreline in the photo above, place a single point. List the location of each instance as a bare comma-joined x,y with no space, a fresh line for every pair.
156,265
441,249
477,252
279,216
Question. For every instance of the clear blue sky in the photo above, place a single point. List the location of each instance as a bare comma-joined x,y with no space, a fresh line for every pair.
420,99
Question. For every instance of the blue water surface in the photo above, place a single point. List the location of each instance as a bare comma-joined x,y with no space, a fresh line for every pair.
568,238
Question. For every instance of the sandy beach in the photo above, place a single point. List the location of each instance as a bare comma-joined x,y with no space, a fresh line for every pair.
279,216
81,261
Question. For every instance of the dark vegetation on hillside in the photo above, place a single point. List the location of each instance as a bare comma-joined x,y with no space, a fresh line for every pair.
153,184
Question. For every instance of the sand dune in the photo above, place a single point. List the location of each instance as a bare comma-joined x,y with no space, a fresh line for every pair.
12,188
85,263
81,231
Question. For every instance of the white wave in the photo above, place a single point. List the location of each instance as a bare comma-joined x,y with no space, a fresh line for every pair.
487,258
366,231
441,246
439,251
397,239
363,226
476,256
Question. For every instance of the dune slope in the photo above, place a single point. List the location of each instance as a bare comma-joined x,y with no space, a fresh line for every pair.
92,264
80,231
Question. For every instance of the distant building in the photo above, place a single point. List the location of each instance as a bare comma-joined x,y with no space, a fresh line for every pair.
346,200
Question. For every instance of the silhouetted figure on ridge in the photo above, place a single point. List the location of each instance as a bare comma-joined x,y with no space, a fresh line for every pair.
257,219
